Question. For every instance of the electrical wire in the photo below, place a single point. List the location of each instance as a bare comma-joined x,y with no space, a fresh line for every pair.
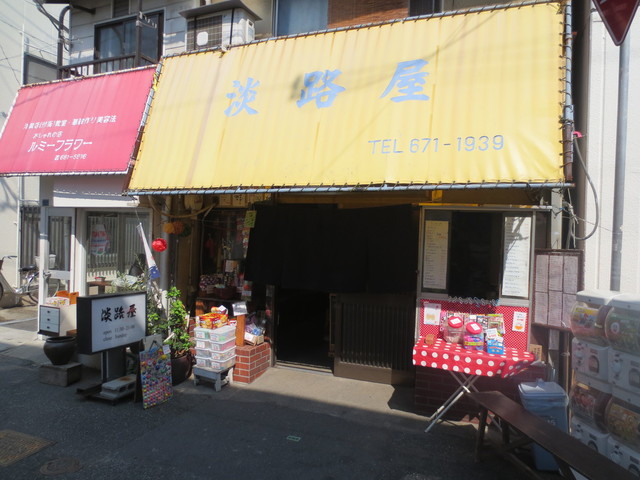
569,206
10,67
186,215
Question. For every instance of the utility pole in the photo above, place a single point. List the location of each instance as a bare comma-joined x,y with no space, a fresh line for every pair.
620,166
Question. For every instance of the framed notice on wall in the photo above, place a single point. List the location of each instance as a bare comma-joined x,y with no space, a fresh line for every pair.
435,255
517,251
557,278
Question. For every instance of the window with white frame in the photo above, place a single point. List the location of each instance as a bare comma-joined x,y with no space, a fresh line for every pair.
114,244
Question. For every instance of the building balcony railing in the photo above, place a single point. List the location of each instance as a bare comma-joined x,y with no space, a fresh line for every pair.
104,65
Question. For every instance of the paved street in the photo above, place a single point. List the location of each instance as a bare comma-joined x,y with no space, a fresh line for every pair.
288,424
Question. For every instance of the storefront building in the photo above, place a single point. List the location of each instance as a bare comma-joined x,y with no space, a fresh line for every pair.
374,171
342,182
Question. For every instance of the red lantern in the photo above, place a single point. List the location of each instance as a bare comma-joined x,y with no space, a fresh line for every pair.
159,245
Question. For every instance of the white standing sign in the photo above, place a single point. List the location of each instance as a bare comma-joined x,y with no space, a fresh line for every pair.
110,321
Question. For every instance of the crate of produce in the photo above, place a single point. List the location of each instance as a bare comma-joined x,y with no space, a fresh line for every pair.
223,356
222,346
223,334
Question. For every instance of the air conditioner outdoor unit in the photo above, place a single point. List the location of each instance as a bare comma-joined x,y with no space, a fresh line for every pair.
210,27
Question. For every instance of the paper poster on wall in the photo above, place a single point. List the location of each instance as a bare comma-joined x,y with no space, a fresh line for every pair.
519,321
435,255
557,279
99,242
431,312
517,252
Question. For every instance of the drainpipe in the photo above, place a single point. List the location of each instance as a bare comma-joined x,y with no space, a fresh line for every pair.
63,12
138,34
233,13
165,265
61,39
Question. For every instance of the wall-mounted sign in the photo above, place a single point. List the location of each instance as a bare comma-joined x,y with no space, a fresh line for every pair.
517,251
110,321
433,100
557,279
435,255
76,126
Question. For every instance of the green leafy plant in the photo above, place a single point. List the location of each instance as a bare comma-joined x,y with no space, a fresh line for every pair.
173,324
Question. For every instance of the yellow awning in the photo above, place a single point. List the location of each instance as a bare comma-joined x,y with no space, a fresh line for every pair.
466,98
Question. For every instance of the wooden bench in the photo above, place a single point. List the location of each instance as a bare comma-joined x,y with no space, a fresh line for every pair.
568,451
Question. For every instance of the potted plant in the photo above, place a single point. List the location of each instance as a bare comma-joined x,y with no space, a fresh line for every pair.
174,327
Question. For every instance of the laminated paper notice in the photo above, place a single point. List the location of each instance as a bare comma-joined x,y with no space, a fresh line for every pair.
431,313
541,308
519,321
435,254
517,245
555,309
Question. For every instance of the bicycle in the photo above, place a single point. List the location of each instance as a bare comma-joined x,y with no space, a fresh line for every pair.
29,283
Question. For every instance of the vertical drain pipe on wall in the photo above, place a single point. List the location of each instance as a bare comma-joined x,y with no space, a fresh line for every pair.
559,342
233,14
165,265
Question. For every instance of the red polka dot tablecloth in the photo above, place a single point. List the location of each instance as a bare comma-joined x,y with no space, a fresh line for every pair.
452,356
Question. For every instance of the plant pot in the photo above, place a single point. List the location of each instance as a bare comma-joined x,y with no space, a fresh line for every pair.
181,368
59,350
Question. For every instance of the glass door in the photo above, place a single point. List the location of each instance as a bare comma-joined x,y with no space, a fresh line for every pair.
59,236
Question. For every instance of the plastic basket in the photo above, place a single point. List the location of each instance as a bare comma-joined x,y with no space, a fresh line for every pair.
223,356
223,365
222,346
223,334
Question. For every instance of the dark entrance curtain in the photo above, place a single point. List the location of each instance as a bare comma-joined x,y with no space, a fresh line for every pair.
321,247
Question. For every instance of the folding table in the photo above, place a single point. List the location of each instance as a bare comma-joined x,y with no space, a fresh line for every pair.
466,366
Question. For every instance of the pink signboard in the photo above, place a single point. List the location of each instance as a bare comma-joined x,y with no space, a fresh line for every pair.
87,125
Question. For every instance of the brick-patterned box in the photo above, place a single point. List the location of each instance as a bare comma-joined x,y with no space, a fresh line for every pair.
251,362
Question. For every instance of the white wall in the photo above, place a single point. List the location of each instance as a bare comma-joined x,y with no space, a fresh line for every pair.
22,29
599,148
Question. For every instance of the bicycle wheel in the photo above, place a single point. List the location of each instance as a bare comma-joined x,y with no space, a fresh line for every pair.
33,289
